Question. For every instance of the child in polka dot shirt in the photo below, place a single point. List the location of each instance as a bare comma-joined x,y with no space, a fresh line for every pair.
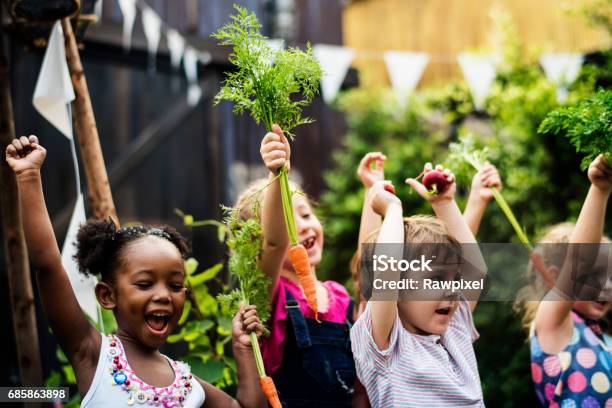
570,361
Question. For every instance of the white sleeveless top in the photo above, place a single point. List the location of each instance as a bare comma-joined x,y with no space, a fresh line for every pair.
116,385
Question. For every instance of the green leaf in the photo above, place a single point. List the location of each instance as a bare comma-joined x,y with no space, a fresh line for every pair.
191,265
205,276
185,314
69,374
54,379
210,371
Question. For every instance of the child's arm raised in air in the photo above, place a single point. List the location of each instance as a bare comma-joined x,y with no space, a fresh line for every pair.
370,221
76,336
481,195
553,319
249,392
447,210
275,152
389,207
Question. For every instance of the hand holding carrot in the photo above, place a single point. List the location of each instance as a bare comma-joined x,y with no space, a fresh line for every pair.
381,198
244,323
25,154
487,177
443,190
275,150
368,174
600,174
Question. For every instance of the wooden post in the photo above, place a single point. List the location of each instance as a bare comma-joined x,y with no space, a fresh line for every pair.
17,266
98,187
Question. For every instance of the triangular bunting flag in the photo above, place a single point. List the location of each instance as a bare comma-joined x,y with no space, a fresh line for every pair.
479,73
405,70
176,46
54,92
128,9
151,24
335,61
562,69
190,62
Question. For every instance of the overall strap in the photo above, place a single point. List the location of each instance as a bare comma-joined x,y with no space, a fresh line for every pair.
349,314
300,329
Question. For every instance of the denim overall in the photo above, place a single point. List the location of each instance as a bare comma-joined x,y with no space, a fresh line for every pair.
317,369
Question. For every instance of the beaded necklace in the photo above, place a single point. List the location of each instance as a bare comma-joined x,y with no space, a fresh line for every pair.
172,396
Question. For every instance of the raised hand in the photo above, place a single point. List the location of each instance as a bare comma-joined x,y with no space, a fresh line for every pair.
369,175
381,198
600,174
447,194
25,154
275,150
487,177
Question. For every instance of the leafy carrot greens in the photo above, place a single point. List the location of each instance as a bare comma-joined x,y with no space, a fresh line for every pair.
272,86
588,126
463,159
244,243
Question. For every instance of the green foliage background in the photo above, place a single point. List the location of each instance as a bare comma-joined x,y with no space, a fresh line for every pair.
543,181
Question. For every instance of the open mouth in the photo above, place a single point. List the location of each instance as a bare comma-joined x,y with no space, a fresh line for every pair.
158,321
308,243
443,311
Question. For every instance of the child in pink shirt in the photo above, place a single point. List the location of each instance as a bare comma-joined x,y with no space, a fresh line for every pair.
311,362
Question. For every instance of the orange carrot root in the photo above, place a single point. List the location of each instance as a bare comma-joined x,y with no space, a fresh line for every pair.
269,390
301,265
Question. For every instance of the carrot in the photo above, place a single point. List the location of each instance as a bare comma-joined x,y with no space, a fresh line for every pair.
269,390
301,265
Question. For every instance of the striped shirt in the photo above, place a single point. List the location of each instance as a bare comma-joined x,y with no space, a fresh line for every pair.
419,370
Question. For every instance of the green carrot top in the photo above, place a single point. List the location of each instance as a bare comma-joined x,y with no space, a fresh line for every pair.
272,86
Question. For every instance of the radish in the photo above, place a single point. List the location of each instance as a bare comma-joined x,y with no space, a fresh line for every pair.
435,182
390,188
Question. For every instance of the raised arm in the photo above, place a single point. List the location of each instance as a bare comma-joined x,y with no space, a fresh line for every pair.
553,318
370,221
75,335
389,207
481,195
447,210
275,153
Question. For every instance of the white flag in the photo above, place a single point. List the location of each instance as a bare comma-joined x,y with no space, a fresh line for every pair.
479,73
51,99
83,286
562,69
190,62
151,24
128,9
54,92
335,61
176,46
405,70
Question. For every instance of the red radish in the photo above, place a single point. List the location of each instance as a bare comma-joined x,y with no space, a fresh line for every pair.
390,188
435,182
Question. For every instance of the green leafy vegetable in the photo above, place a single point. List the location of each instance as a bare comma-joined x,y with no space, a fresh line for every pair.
244,243
588,125
462,156
272,86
